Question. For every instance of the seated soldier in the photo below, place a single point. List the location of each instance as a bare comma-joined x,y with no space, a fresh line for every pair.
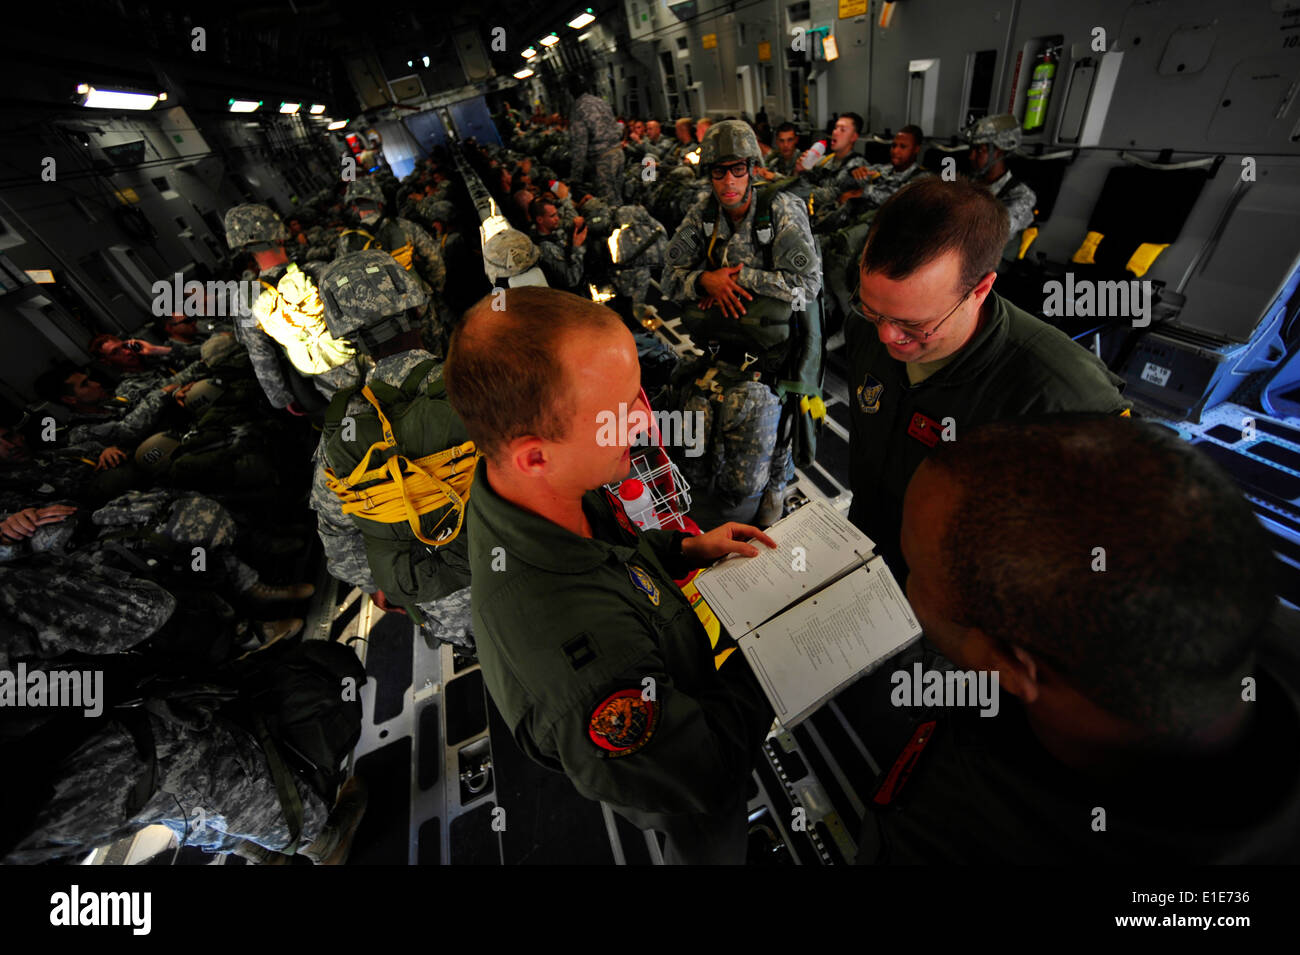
103,425
878,183
1120,588
781,161
832,177
992,139
561,258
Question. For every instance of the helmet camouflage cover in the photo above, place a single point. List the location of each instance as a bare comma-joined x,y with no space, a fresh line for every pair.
509,253
253,222
364,189
1001,131
729,140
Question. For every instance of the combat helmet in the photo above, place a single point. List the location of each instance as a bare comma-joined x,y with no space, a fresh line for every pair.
1001,131
156,451
369,298
253,222
509,253
365,198
729,141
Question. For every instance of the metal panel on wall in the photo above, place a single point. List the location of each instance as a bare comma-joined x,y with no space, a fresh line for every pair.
472,119
427,129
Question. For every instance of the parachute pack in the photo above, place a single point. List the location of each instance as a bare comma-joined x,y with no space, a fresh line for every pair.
403,471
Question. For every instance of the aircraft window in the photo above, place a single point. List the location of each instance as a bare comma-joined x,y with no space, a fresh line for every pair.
160,183
979,84
681,43
800,11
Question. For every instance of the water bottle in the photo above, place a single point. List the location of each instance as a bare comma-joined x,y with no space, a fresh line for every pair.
638,503
814,155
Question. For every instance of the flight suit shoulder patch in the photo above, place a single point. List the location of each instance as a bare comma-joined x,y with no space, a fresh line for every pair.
623,722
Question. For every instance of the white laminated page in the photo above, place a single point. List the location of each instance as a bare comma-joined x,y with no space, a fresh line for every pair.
811,651
746,591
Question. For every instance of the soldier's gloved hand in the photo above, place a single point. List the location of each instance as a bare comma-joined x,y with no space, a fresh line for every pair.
382,603
110,458
720,284
24,523
295,409
727,539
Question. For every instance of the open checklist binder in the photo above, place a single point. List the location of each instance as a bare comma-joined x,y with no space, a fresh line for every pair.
813,615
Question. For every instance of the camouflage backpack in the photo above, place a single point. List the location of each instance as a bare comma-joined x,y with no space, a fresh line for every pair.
403,470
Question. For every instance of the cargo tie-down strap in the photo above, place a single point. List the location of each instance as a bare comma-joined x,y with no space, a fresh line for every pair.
408,487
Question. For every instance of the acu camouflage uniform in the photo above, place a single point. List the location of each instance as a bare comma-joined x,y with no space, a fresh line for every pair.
594,134
1018,198
741,413
831,178
561,261
641,246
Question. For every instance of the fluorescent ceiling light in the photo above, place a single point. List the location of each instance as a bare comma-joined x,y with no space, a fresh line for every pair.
317,109
244,105
529,53
523,74
115,99
425,60
582,19
289,107
161,97
337,124
550,40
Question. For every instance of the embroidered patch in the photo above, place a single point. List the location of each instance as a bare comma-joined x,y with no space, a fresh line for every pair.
623,722
869,393
926,430
620,514
643,582
800,261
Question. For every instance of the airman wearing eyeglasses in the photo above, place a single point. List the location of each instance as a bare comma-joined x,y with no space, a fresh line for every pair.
933,350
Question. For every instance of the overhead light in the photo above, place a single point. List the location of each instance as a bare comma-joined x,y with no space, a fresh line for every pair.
529,53
317,109
244,105
411,64
550,40
162,97
425,60
289,107
115,99
337,124
582,19
523,74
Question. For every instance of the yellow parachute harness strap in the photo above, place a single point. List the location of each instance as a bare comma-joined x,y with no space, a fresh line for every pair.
1144,256
1027,239
293,314
434,481
1126,413
370,239
1087,253
405,256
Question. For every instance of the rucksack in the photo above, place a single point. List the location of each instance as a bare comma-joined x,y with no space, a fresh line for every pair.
404,477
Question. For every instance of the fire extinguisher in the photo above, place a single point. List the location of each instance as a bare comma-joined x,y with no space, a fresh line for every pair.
1040,88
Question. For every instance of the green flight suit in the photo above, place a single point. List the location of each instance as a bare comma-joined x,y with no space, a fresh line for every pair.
564,623
1015,365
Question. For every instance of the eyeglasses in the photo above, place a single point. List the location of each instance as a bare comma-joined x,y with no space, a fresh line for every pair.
907,328
737,170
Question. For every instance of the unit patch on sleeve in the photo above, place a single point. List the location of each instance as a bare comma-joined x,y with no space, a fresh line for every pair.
644,583
623,722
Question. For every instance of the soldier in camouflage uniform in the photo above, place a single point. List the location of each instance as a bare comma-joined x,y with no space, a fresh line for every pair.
722,266
382,320
782,161
832,178
877,183
562,259
992,139
256,228
641,244
595,135
102,425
